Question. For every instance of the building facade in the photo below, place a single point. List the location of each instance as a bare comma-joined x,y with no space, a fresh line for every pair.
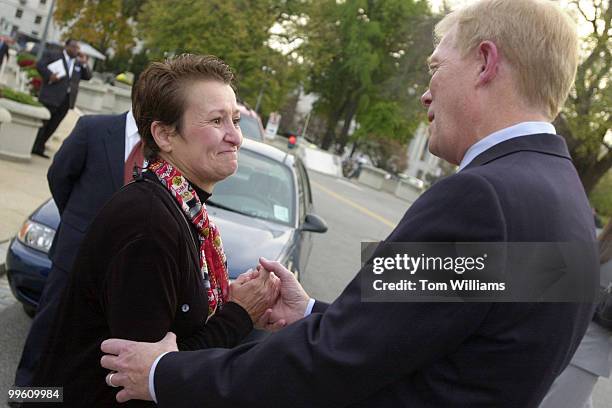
421,163
25,20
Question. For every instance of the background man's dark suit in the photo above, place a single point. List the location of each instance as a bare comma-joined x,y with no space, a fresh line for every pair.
58,96
4,52
354,353
86,171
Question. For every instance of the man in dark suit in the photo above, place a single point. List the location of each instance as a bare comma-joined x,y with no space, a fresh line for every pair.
86,171
4,50
59,88
500,73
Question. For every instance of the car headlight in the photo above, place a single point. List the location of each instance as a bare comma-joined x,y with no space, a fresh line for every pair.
36,236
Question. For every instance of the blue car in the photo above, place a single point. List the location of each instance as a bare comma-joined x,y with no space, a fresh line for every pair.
265,209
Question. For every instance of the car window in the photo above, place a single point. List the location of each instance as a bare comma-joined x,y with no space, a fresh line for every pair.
262,188
301,195
305,196
306,180
250,128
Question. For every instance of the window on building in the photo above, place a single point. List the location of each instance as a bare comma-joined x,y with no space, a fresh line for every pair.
43,2
35,33
38,19
19,13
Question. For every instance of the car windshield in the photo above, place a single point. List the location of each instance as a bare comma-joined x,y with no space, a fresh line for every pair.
250,128
261,188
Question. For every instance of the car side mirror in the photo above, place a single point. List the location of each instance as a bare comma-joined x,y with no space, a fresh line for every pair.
314,223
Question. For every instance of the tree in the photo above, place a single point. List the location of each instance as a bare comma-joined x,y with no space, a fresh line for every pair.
101,23
355,50
586,118
601,196
237,31
382,133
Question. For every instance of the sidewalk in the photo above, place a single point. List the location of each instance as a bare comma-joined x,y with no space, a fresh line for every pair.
24,185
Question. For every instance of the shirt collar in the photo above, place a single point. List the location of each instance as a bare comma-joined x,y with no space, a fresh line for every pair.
520,129
66,56
130,125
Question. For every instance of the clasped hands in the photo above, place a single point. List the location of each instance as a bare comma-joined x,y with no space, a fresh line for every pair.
269,293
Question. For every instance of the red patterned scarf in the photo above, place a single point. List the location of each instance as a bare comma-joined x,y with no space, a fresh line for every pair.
212,258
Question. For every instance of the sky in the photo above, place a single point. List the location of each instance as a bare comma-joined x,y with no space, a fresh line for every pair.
583,27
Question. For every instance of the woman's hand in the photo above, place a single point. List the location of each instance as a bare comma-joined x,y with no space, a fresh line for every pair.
256,291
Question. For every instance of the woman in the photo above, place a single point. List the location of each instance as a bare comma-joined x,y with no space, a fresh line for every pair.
152,261
593,358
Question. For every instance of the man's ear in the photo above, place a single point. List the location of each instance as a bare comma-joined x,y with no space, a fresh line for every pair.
488,55
163,136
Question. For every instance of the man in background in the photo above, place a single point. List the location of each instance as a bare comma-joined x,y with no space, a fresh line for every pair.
4,49
61,73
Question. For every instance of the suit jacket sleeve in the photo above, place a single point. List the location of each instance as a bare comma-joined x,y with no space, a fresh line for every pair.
141,295
41,66
354,349
85,72
140,291
68,164
319,307
225,329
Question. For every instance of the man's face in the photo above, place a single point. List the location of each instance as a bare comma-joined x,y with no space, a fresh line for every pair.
72,49
450,101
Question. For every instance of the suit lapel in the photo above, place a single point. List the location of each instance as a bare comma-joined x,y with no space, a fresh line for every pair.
540,143
114,141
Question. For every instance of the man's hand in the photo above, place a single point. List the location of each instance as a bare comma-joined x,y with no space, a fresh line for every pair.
255,291
293,300
132,363
53,78
82,58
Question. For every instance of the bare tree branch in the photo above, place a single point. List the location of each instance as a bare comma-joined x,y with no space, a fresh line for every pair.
593,21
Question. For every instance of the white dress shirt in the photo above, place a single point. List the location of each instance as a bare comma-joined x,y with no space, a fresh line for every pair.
70,63
520,129
131,134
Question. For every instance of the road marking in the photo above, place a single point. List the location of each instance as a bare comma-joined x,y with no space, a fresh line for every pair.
355,205
348,183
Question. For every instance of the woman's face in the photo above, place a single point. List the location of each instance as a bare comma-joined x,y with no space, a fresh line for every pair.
206,150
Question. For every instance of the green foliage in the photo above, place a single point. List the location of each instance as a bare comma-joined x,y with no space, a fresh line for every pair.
139,63
601,196
363,52
101,23
131,8
384,120
24,56
17,96
586,119
235,31
32,73
118,63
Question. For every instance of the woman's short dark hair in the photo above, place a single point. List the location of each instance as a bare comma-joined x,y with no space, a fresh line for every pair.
159,94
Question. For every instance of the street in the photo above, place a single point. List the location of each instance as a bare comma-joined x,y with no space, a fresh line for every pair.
354,213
